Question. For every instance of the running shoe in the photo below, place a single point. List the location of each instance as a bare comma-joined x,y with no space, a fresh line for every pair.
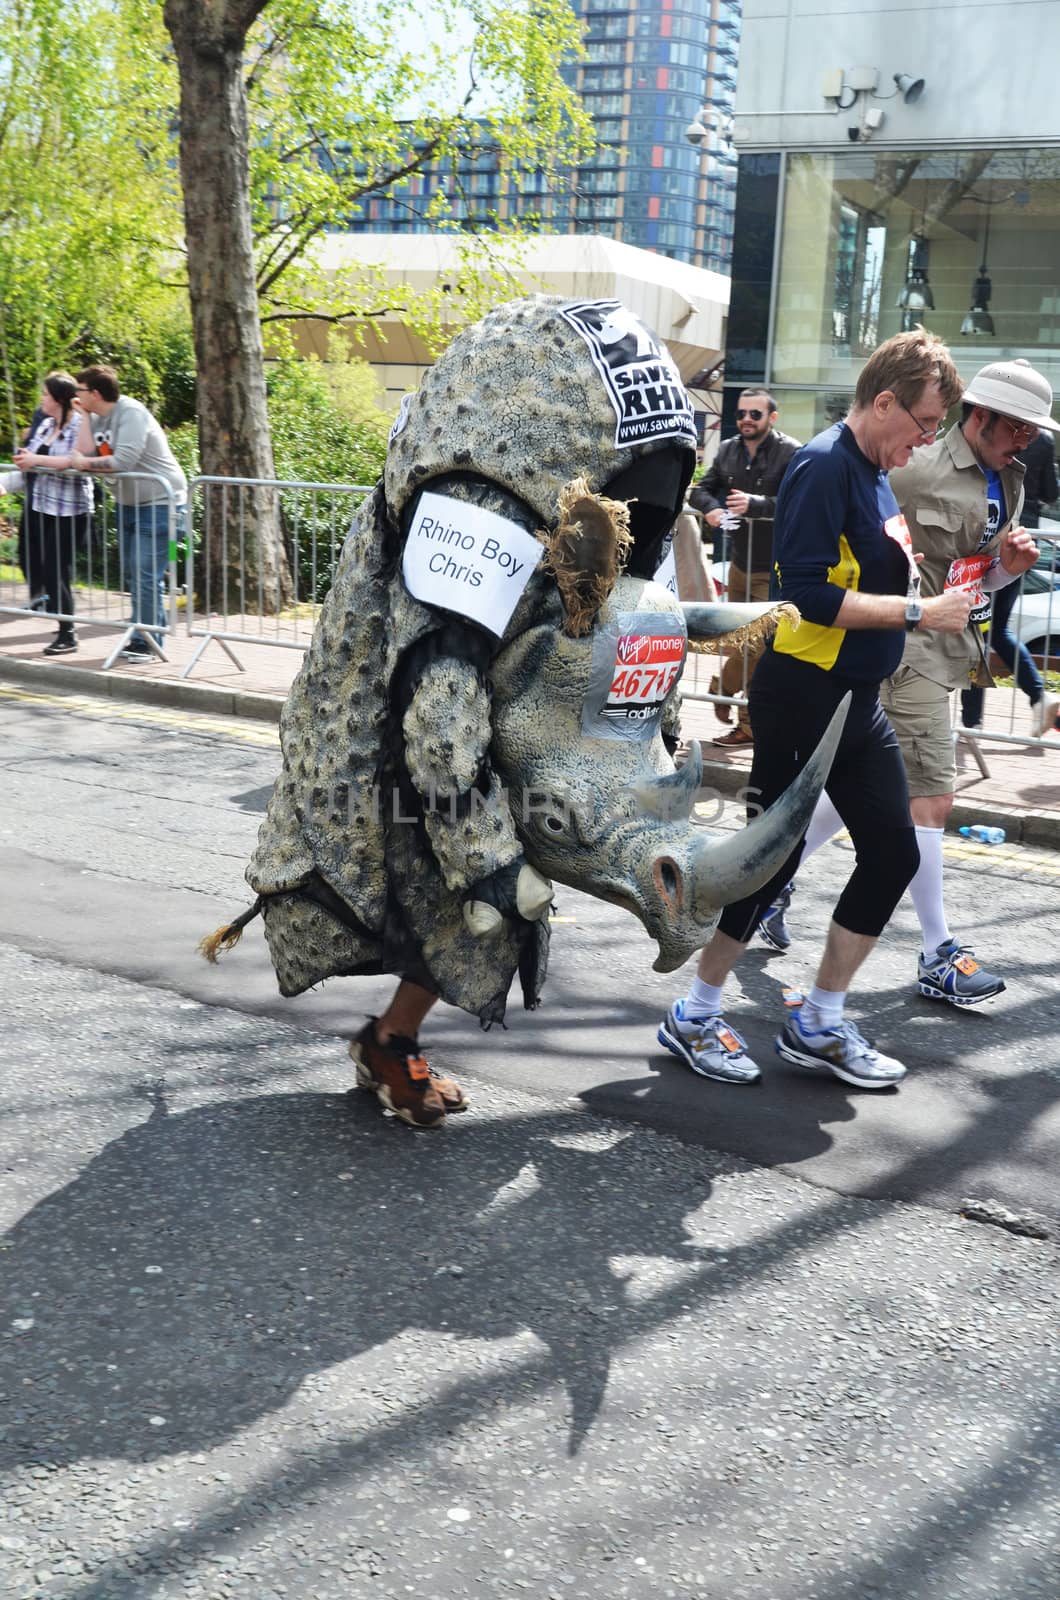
403,1080
771,924
708,1045
842,1050
953,974
1044,714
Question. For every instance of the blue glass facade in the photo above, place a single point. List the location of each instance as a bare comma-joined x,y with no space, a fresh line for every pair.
651,69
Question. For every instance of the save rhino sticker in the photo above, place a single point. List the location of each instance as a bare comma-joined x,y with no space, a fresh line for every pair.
637,659
639,374
468,560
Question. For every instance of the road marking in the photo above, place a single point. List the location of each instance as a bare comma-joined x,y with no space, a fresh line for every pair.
247,732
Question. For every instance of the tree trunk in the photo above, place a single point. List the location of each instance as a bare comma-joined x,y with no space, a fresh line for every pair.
245,563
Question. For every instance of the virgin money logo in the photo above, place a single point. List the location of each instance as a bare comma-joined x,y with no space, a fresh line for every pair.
633,647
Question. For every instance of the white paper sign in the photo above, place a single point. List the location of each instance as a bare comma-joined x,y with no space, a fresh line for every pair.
468,560
666,571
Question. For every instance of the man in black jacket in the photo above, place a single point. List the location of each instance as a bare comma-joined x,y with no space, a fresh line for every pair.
739,493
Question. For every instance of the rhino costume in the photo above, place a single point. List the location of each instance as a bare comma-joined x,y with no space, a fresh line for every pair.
484,700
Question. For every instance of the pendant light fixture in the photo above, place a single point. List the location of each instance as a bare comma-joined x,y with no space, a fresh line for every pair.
915,297
978,318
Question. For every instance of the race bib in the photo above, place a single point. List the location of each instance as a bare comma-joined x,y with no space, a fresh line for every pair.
969,572
642,382
897,528
468,560
637,659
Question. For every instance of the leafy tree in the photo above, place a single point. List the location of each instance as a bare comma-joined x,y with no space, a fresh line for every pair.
89,198
291,113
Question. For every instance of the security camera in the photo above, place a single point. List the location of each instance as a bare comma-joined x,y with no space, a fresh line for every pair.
853,133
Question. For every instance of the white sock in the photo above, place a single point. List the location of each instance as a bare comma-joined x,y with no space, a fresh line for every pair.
822,1008
925,891
824,825
703,999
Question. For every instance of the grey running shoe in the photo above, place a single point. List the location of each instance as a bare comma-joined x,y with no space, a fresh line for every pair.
953,974
771,924
842,1051
708,1045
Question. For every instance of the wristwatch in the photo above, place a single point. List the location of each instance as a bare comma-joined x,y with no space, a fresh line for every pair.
914,612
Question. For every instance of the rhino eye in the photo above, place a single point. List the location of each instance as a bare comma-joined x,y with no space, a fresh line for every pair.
554,824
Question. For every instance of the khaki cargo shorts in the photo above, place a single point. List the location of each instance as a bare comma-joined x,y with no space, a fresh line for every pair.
920,715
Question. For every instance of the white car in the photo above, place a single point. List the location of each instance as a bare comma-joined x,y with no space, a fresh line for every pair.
1035,617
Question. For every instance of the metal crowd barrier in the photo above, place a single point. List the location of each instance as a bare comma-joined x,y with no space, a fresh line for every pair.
236,597
1035,621
702,669
103,569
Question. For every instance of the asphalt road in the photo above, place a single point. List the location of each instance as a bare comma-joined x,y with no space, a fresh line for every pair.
126,830
616,1332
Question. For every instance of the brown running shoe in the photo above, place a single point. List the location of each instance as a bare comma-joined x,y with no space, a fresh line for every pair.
403,1080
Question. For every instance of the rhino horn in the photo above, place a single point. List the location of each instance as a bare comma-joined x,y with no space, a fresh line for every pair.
723,622
673,796
728,869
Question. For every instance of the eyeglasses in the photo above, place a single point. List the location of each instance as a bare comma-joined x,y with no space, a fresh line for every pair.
1023,431
755,416
926,433
80,389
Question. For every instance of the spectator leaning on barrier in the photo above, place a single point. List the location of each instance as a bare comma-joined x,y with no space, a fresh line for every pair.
61,501
119,435
742,484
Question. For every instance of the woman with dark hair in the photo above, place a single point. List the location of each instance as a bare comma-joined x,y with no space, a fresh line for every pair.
61,501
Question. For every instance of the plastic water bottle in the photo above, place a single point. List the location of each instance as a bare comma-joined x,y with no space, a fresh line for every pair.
982,834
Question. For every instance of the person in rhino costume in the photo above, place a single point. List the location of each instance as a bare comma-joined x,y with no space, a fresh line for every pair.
389,843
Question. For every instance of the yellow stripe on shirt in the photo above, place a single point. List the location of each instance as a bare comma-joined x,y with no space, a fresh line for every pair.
809,641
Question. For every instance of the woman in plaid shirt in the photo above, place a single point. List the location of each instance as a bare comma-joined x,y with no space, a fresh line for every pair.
62,501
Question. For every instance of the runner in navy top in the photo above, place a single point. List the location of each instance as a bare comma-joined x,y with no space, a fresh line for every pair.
844,557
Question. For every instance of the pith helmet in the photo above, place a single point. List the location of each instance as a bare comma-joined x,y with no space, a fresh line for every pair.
1014,389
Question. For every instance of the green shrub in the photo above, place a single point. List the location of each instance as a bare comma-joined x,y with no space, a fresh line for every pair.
317,440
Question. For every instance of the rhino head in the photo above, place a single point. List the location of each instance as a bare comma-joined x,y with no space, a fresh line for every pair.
601,807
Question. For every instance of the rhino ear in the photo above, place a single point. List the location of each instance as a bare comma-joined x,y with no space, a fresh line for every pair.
587,550
713,625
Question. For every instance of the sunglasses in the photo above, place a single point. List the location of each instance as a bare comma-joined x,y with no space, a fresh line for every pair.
1024,431
755,416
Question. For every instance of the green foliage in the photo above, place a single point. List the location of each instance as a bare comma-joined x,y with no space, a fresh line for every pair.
314,436
348,98
351,99
89,202
315,439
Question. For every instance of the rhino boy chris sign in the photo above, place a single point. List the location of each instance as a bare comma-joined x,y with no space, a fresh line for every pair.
639,374
468,560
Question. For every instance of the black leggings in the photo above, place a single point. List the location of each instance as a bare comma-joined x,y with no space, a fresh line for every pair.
59,538
791,703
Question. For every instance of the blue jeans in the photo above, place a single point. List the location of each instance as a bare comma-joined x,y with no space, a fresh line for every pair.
143,532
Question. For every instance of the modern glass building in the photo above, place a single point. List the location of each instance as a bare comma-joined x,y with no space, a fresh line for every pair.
870,199
653,70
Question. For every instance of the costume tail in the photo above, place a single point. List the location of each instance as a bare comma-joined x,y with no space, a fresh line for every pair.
227,937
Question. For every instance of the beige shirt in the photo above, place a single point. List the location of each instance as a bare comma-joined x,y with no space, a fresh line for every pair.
942,494
694,580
